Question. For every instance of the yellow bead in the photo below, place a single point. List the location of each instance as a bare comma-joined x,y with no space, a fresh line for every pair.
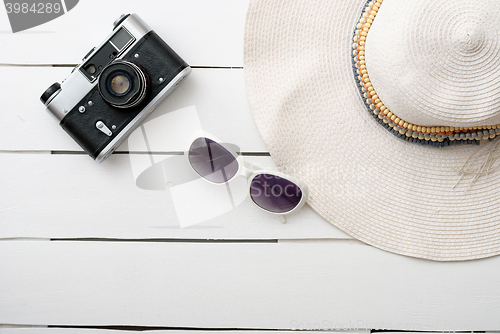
424,129
390,114
405,125
419,128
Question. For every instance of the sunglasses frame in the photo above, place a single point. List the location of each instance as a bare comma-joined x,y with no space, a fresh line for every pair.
250,171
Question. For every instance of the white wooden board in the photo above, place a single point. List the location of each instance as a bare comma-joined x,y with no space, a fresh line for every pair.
41,330
70,196
285,285
218,95
204,33
242,269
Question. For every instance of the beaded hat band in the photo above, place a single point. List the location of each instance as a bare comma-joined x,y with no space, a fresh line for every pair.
438,136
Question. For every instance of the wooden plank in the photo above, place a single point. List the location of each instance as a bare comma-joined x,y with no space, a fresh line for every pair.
219,97
70,196
38,330
289,285
204,33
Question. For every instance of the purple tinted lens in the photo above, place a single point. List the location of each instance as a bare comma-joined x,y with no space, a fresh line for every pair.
274,193
212,161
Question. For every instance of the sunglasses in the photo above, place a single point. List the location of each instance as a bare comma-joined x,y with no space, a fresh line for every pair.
269,190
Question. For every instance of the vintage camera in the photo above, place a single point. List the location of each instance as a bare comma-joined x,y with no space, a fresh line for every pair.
115,88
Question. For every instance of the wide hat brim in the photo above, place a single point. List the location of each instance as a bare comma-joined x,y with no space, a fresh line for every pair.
402,197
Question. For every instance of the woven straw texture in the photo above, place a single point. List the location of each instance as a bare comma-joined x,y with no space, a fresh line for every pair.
398,196
440,65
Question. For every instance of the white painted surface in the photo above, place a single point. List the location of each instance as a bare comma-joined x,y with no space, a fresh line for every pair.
204,33
39,330
283,285
307,283
61,196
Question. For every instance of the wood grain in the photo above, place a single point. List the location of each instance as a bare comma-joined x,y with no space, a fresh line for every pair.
70,196
128,329
288,285
204,33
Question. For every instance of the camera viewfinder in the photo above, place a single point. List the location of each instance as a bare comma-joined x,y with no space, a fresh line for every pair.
107,53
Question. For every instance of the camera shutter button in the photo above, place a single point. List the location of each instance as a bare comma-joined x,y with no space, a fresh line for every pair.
119,20
103,128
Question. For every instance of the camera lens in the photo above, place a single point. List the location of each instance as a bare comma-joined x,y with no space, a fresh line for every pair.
123,84
119,83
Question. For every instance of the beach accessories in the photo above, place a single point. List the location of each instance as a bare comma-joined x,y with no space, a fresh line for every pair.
269,190
389,110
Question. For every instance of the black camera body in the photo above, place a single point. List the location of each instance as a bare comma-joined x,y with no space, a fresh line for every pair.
116,87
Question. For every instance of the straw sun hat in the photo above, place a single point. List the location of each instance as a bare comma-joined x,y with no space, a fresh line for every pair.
389,112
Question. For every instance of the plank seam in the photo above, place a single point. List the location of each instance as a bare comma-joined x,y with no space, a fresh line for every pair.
66,152
73,65
157,240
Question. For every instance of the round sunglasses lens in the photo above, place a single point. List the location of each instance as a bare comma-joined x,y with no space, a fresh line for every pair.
274,193
212,161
